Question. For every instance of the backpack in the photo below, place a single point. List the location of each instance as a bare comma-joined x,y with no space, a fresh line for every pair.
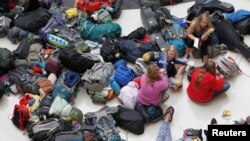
40,18
16,34
104,123
45,130
62,90
98,32
4,26
75,61
139,33
115,9
130,119
227,66
49,4
20,116
31,101
2,89
163,17
45,106
149,112
110,51
89,6
243,26
53,65
34,54
69,136
123,74
6,59
128,94
175,31
96,78
140,67
101,16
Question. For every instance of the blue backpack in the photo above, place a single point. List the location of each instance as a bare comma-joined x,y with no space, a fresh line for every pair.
123,74
175,35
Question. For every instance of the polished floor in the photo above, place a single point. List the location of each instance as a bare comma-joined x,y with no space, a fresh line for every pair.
187,113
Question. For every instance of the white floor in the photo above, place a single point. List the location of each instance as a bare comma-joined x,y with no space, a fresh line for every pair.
187,113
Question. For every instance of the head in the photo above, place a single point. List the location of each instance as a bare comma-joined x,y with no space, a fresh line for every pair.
153,73
210,67
171,52
204,21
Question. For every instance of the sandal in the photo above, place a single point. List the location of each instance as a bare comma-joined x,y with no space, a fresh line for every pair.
170,111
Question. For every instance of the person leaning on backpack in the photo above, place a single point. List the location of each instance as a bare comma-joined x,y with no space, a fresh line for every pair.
174,68
206,83
200,29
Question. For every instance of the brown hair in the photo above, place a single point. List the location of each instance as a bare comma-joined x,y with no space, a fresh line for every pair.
210,67
201,17
153,73
171,48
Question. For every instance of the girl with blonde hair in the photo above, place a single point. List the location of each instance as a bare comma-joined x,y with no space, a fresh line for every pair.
200,30
174,68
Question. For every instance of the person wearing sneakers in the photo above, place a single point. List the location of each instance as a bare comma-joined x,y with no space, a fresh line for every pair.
152,86
164,133
174,68
199,35
206,83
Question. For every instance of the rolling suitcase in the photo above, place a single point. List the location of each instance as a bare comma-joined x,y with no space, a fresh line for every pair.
148,20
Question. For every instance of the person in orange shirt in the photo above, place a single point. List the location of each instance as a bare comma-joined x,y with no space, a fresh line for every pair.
206,83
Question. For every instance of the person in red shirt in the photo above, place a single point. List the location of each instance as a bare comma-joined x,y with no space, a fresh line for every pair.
206,83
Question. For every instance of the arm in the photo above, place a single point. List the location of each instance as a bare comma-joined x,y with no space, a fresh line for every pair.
191,30
177,61
206,34
217,84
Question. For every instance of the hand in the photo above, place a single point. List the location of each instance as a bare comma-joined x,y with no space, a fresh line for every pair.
210,30
217,72
162,70
221,76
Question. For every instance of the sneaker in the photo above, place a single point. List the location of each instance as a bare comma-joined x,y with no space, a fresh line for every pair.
150,56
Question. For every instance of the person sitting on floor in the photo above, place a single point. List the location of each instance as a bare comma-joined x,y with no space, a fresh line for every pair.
200,30
152,86
174,68
206,83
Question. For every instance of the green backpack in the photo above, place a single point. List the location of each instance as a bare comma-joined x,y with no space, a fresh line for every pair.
98,32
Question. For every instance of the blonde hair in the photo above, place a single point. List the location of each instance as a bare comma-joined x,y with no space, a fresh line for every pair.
153,73
201,17
210,67
171,48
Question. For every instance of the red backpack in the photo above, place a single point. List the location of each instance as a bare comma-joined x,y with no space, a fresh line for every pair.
88,6
20,116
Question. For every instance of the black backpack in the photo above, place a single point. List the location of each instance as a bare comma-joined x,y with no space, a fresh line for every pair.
73,60
2,89
130,119
243,26
110,51
32,21
6,59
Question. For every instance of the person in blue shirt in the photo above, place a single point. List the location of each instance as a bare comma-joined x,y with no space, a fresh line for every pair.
174,68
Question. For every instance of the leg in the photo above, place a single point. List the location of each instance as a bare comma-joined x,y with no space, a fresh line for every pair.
204,54
180,71
225,88
164,133
189,47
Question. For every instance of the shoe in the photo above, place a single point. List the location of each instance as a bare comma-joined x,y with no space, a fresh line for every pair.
213,122
170,111
150,56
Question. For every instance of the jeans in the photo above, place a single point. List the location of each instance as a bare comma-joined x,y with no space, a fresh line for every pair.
225,88
164,133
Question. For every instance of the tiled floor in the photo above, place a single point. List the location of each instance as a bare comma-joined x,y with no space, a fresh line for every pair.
187,113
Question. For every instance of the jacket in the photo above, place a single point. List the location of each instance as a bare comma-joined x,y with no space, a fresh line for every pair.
209,85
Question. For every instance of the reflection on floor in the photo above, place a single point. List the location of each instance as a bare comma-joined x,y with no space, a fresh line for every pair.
187,113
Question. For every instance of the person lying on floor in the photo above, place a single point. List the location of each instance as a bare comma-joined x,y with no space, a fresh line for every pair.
174,68
206,83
